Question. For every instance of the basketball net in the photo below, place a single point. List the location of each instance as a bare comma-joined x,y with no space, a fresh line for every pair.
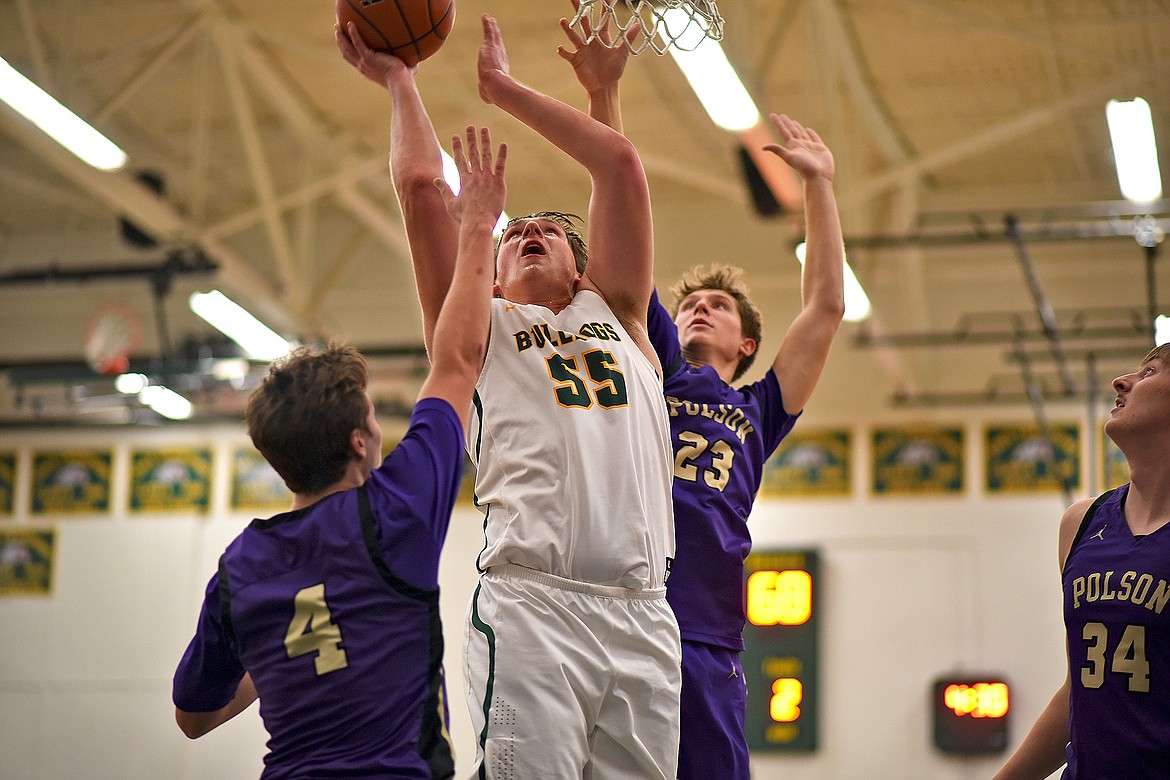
682,24
113,333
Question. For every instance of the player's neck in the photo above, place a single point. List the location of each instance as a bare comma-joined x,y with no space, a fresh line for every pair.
1147,505
353,478
555,299
1147,453
698,356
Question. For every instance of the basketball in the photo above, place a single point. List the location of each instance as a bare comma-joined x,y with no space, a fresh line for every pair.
411,30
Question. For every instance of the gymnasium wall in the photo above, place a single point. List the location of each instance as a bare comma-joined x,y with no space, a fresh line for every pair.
910,588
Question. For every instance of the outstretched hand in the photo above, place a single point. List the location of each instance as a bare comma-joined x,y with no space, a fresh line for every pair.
493,59
598,63
803,149
482,189
377,66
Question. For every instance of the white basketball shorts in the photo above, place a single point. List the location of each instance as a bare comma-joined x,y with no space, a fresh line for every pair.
568,679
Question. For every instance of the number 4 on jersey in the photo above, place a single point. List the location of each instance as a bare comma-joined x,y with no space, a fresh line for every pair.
312,630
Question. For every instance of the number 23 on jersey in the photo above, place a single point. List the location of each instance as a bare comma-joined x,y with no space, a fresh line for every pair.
693,445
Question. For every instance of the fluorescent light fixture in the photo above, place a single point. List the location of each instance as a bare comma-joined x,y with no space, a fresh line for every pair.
234,321
166,402
58,122
711,76
451,176
230,369
131,384
1131,128
857,306
162,399
1161,330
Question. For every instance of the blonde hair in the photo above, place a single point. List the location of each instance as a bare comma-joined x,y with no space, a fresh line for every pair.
727,279
1160,353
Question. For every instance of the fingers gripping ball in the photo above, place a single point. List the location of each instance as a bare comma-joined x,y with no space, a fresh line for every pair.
411,30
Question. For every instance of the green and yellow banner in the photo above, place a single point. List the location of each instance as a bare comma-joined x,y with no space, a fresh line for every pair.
809,463
1021,459
255,484
170,480
917,460
71,482
26,562
7,483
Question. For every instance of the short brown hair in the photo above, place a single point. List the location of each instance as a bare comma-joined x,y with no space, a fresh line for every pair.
302,414
727,279
568,223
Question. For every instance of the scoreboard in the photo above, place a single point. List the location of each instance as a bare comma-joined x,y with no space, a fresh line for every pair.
971,714
780,654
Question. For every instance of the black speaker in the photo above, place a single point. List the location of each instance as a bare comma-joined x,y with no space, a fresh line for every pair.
764,201
134,235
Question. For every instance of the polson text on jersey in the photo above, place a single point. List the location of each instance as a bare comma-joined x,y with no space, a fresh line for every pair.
1100,586
728,415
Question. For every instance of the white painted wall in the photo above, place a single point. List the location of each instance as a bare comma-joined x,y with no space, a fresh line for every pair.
911,589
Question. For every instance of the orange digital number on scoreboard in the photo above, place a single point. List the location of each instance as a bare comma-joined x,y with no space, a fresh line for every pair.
779,598
980,700
971,714
787,693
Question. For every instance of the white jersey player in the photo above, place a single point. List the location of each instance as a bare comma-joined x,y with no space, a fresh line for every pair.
571,639
575,479
572,651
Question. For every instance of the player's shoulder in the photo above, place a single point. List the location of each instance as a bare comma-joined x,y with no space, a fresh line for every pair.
434,427
1075,512
588,294
629,309
765,390
433,406
1074,521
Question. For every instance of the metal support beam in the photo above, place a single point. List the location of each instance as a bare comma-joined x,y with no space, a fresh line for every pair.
179,263
1092,427
124,195
1106,222
1036,400
1043,305
258,166
992,136
1151,257
148,71
963,336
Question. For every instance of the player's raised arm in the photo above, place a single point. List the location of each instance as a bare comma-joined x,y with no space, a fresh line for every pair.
599,65
805,348
621,233
415,162
461,332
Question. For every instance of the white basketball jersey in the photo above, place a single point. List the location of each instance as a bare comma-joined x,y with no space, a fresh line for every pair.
571,443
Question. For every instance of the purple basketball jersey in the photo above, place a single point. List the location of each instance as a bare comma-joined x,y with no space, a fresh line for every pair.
1116,594
721,437
333,609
